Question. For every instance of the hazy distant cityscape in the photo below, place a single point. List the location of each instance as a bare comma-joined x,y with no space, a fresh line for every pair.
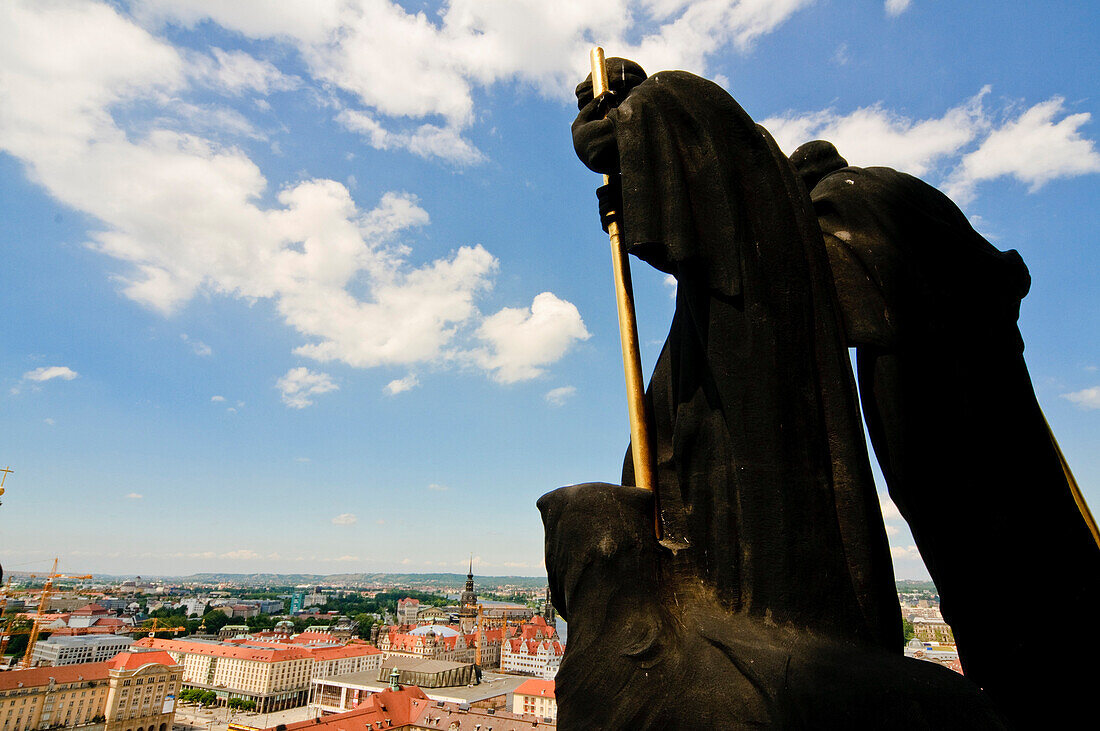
234,652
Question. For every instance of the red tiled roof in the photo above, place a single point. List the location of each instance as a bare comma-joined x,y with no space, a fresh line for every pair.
89,609
269,653
544,688
385,709
134,660
410,708
61,674
335,653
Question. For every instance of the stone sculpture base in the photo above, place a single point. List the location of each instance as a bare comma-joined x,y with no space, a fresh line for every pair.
650,647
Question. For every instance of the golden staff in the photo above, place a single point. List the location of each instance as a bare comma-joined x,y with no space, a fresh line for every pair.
1075,491
641,446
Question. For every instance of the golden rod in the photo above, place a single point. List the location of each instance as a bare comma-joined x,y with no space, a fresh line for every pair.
1075,491
640,439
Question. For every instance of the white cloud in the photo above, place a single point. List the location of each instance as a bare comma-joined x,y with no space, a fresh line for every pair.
670,282
1033,148
345,519
876,136
299,385
48,373
427,140
522,341
892,530
49,421
400,385
135,496
243,554
200,348
1087,399
217,399
905,553
896,7
558,396
438,488
190,214
409,65
889,510
237,72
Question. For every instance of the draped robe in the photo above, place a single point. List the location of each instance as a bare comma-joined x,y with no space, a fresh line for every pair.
764,488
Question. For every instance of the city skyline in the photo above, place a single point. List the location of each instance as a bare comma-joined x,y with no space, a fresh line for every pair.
321,288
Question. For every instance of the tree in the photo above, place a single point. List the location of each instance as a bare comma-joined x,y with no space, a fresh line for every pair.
907,629
215,620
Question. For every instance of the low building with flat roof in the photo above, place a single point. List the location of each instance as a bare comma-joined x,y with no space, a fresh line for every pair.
427,673
60,650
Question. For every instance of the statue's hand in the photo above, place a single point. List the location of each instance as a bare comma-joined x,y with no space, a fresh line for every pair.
594,136
610,197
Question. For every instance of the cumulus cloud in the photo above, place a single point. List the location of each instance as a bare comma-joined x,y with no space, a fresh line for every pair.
558,396
963,148
875,135
49,373
345,519
1088,398
217,399
905,553
1033,148
889,510
896,7
135,496
400,385
438,488
299,385
99,108
521,342
408,65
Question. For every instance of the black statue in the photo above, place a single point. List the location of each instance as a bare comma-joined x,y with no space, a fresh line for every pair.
931,307
770,599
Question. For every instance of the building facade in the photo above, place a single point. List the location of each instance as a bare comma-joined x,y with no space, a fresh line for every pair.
134,691
142,691
274,674
535,697
534,649
74,650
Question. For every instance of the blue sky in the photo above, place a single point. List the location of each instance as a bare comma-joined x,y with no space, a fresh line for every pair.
320,286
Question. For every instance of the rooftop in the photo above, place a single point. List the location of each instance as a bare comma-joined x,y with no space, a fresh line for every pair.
534,686
491,686
135,660
35,677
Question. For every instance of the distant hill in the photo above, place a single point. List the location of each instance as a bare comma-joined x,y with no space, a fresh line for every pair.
375,579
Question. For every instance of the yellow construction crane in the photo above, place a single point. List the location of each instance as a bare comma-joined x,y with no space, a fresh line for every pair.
152,626
3,478
40,615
